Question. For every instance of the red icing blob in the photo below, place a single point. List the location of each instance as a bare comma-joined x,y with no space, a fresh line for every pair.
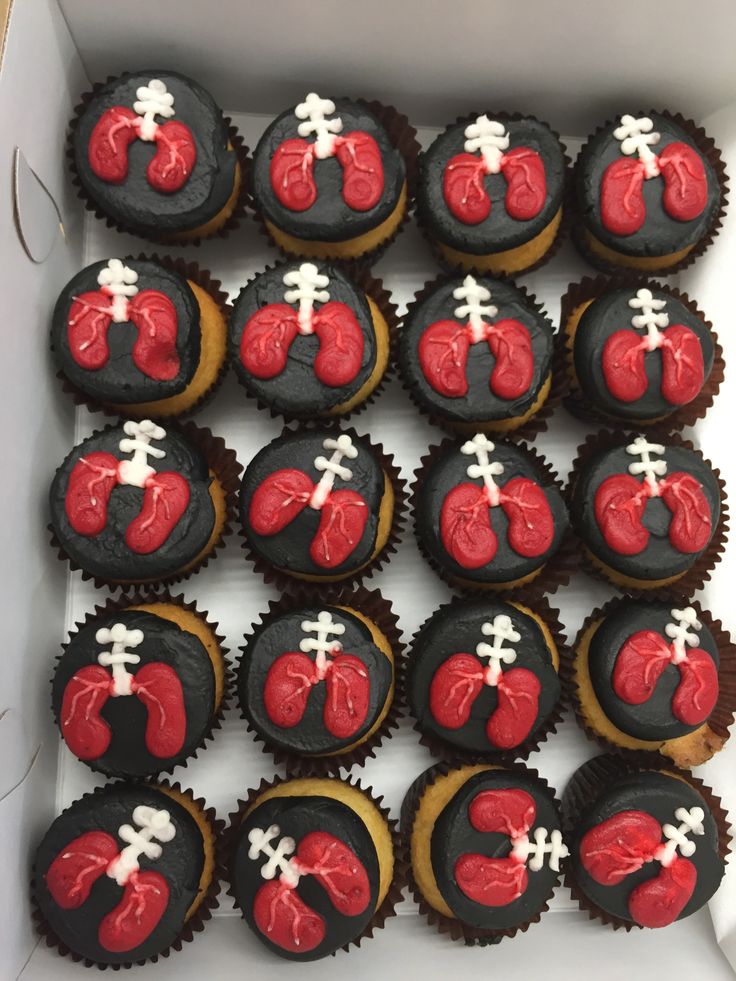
144,902
639,666
464,190
176,154
619,846
157,685
348,696
507,811
443,357
697,693
531,526
465,526
690,528
466,196
683,371
623,365
686,185
284,918
511,346
623,211
87,325
518,705
362,170
278,500
154,352
78,866
491,881
455,685
659,901
337,869
91,483
286,691
527,183
342,523
266,339
620,502
165,500
85,732
341,344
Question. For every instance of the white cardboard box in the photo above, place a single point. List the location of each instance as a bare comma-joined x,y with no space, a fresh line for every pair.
571,64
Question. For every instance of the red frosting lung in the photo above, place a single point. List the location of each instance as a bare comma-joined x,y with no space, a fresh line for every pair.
466,195
683,370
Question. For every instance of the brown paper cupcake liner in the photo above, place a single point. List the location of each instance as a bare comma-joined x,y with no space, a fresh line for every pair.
590,288
223,463
124,601
404,138
567,206
202,278
393,896
285,583
379,611
454,754
556,572
375,289
451,927
595,776
700,571
559,380
195,923
709,150
232,222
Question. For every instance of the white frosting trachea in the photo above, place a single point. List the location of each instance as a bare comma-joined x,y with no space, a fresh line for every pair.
475,307
324,626
260,844
152,100
646,465
309,287
546,845
491,138
651,317
332,468
691,822
637,136
151,824
118,282
121,639
481,448
137,471
681,632
314,112
502,629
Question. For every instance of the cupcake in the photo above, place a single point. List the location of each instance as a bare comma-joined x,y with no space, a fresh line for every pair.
649,193
311,866
307,340
138,688
125,873
330,179
476,354
491,192
482,679
655,677
488,515
648,514
139,503
638,353
138,338
318,505
486,849
647,844
154,155
316,681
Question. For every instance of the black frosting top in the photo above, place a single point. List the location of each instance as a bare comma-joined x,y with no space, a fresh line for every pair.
499,231
282,634
660,234
329,219
180,863
480,404
296,817
120,380
659,795
446,472
297,391
453,836
164,642
456,628
610,313
289,548
653,719
135,202
107,554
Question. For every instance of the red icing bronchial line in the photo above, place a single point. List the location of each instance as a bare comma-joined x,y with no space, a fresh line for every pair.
500,881
621,500
157,686
344,513
465,523
293,675
119,301
624,843
624,353
269,334
118,127
459,680
445,344
76,868
95,476
645,655
463,180
278,910
623,211
292,165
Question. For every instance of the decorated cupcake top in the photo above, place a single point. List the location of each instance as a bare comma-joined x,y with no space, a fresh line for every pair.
645,187
490,183
132,502
133,693
475,349
640,353
487,513
117,872
326,170
482,676
313,680
151,149
303,338
646,849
